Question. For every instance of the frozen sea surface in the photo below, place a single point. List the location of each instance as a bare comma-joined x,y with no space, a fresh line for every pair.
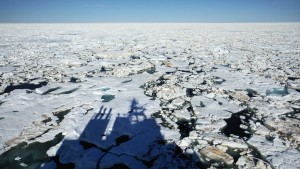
150,95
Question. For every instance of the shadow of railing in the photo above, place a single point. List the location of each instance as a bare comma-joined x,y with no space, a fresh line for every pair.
134,141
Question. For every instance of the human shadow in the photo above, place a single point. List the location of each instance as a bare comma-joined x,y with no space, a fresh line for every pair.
134,141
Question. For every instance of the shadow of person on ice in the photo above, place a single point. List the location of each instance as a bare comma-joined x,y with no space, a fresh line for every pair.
134,141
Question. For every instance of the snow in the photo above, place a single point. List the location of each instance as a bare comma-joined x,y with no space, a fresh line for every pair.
150,95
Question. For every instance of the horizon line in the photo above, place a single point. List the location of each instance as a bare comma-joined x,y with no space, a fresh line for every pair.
143,22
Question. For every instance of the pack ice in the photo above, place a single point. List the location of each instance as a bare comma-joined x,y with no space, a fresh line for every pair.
90,96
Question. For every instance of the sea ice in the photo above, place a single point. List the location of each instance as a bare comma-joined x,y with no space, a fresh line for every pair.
149,95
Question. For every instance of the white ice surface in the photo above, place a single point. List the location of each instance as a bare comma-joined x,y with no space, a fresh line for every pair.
210,67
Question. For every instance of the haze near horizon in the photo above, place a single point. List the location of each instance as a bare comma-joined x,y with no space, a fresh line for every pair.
103,11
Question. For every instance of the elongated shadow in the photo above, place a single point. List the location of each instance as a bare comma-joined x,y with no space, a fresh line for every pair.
134,141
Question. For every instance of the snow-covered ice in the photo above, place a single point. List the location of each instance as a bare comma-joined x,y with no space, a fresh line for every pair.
149,95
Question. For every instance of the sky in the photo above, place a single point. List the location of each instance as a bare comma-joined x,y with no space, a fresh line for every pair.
148,11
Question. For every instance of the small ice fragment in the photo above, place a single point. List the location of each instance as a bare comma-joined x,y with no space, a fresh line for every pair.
23,165
18,158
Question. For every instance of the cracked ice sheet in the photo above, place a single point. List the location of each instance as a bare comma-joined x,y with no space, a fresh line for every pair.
32,106
141,135
218,107
276,151
209,46
241,80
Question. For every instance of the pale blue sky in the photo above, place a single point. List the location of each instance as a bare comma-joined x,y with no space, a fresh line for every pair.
149,10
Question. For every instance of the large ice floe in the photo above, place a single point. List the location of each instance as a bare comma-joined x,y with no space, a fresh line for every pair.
90,96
